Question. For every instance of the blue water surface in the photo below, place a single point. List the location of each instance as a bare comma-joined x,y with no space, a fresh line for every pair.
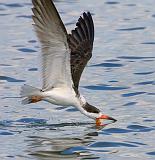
119,80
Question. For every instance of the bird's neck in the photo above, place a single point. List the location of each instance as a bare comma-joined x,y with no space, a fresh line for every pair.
87,109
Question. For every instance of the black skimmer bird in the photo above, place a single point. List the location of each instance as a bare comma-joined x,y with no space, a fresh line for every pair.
64,57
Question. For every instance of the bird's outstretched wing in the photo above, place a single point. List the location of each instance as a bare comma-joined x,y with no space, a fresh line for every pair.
81,44
55,50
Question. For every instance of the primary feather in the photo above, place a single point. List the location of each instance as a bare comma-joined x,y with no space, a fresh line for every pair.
55,50
81,44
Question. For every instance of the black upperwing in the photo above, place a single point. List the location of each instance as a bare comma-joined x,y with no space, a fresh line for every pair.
81,44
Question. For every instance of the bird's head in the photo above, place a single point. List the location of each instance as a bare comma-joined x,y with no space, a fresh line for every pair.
95,113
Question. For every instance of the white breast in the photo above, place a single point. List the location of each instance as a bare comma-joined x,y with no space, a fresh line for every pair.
61,96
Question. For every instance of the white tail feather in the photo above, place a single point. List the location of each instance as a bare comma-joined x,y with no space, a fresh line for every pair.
27,91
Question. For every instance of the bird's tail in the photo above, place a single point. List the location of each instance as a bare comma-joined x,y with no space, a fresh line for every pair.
30,94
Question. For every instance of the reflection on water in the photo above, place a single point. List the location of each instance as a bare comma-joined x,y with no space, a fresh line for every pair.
119,80
62,147
69,146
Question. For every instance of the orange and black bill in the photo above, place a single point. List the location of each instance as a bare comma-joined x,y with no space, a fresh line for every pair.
104,120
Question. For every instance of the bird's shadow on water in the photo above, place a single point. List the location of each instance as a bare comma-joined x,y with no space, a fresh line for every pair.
72,145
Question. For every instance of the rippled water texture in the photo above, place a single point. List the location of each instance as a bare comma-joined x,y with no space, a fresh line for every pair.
120,79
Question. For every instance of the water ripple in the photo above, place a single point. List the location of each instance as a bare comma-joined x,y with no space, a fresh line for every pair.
4,14
135,57
138,143
32,120
70,23
144,73
109,65
33,69
139,128
148,43
149,120
6,123
10,79
151,153
105,87
113,81
5,133
117,130
131,5
151,94
13,5
32,41
130,104
112,60
131,29
72,109
132,94
24,16
145,83
26,50
5,65
112,144
72,150
112,2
